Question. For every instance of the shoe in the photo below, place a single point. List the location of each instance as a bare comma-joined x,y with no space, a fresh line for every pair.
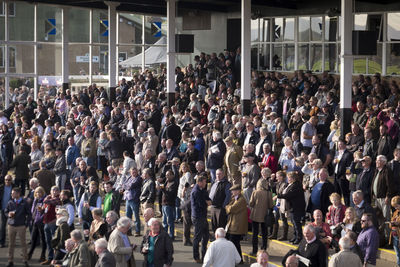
29,256
296,242
188,244
26,264
47,262
10,264
198,261
42,257
137,234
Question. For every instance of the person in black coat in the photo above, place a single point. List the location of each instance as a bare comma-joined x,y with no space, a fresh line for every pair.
364,176
342,161
294,194
315,250
155,118
173,131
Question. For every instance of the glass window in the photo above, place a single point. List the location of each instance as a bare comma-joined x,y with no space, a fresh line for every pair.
303,57
316,28
2,94
277,58
100,60
49,59
254,56
289,29
393,59
21,27
330,57
331,28
264,24
2,65
21,58
11,9
130,28
100,26
304,29
264,56
360,22
375,62
316,57
2,28
78,59
277,28
254,30
156,27
79,25
49,23
359,65
288,63
134,54
393,28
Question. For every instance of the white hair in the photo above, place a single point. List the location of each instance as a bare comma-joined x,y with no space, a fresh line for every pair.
124,222
217,135
76,235
382,158
101,243
34,181
220,232
344,242
152,220
310,228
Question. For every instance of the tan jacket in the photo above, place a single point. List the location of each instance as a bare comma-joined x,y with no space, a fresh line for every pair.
117,247
231,163
88,148
345,258
237,212
260,202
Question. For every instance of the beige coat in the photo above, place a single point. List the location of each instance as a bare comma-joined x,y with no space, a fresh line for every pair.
345,258
231,163
117,247
260,202
237,216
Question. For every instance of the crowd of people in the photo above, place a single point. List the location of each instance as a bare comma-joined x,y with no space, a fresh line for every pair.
82,154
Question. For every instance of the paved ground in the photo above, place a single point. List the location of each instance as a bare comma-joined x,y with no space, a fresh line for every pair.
182,254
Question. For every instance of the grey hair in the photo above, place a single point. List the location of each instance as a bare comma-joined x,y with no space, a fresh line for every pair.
310,228
34,181
124,222
76,235
220,232
344,242
101,243
113,215
359,193
382,158
217,135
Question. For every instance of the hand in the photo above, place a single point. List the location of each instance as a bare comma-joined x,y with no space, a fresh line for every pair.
53,262
86,232
208,202
86,204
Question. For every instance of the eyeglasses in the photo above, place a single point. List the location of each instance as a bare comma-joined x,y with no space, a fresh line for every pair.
363,221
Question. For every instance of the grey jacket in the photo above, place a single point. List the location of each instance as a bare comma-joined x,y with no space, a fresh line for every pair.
106,259
148,194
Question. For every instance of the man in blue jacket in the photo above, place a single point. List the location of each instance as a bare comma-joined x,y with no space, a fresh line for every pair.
199,202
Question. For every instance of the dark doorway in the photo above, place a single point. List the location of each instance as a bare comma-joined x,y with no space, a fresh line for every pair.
233,33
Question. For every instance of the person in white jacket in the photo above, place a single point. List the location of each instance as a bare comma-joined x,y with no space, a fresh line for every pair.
221,252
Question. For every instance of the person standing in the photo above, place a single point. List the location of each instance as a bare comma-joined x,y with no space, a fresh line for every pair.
88,202
169,193
120,246
112,199
199,201
89,149
60,169
106,258
237,220
131,195
345,257
19,216
5,193
220,196
368,240
21,164
233,156
395,227
221,252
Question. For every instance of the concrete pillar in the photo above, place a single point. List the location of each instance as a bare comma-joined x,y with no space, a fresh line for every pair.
35,57
384,45
65,54
171,13
117,49
346,67
6,58
245,58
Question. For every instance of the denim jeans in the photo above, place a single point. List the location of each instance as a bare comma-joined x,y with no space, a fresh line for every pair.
200,234
296,221
49,230
213,174
168,219
133,207
178,212
90,161
396,248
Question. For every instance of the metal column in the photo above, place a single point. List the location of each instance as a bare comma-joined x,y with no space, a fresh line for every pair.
171,52
346,67
112,43
143,43
6,58
65,54
91,46
245,57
